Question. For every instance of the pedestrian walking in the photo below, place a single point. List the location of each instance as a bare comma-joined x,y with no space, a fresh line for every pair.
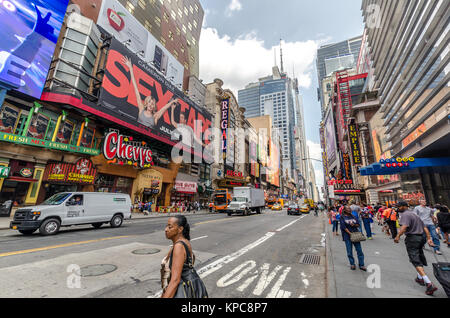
426,215
366,217
178,276
333,215
443,218
350,224
417,234
391,220
356,210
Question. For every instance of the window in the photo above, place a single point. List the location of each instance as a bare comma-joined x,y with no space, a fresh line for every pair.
180,13
174,15
147,25
178,30
182,49
191,9
158,21
186,12
184,29
130,7
142,4
196,7
190,26
195,24
175,53
166,17
171,35
194,42
163,41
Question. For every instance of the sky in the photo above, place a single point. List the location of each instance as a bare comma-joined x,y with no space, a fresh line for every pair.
239,38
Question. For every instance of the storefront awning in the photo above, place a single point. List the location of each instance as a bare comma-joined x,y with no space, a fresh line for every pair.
380,169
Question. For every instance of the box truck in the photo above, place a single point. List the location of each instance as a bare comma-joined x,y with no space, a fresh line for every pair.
246,200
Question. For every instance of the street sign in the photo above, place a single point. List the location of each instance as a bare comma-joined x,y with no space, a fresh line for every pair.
4,172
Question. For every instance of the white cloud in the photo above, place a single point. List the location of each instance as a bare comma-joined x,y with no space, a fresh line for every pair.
235,5
245,60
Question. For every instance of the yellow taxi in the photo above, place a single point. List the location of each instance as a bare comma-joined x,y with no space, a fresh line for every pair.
304,208
277,207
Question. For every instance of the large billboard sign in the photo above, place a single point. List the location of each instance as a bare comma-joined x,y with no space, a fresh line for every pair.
117,21
29,30
135,93
330,139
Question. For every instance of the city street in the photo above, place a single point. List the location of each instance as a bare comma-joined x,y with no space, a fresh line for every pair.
253,256
256,256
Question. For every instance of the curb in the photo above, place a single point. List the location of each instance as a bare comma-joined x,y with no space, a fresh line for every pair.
330,276
159,216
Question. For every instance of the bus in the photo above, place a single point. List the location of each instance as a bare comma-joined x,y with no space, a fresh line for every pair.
221,199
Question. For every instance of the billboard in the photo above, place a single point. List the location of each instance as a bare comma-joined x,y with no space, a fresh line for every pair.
29,31
135,93
273,173
118,21
330,139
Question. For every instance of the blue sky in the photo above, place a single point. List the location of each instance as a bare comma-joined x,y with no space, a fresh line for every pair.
239,38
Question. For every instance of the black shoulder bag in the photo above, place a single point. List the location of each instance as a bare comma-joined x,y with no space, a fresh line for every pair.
191,285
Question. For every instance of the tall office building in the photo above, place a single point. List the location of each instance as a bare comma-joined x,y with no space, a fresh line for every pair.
413,87
275,95
336,56
176,24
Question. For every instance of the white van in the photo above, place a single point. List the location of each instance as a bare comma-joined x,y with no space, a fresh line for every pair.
73,208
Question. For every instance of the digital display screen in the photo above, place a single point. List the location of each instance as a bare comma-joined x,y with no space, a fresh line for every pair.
29,30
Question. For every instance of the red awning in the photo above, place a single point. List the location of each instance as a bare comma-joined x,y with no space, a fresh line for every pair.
20,179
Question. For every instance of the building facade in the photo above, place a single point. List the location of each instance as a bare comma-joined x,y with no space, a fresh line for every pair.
413,84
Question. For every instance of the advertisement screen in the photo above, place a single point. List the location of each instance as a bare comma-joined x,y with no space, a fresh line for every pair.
115,19
330,139
133,92
29,31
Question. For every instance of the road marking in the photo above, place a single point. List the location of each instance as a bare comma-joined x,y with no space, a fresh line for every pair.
218,264
59,246
212,221
276,291
226,281
287,225
265,278
199,238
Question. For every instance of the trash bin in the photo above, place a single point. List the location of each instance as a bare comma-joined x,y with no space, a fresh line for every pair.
6,208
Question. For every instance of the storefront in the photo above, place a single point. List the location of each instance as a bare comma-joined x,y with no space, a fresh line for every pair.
184,192
22,184
68,177
147,187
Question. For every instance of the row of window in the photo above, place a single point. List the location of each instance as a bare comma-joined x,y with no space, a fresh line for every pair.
13,120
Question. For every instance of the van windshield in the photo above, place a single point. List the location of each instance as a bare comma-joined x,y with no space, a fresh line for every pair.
56,199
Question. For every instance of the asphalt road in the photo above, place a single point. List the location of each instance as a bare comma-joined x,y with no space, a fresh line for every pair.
256,256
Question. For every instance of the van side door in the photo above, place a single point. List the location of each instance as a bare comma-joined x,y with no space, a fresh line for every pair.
75,210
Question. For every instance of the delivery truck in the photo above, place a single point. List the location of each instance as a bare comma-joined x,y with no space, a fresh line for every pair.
246,200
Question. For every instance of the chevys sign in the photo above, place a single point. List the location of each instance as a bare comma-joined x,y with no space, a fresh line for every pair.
116,147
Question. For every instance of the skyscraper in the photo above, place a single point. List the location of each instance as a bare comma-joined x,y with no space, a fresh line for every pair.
332,57
275,95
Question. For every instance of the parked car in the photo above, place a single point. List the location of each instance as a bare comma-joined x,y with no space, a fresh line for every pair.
73,208
293,209
277,207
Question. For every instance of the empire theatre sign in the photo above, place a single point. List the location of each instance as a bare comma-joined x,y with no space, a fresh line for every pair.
345,187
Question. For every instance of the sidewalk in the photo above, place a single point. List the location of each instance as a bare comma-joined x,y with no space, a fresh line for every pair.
397,273
4,221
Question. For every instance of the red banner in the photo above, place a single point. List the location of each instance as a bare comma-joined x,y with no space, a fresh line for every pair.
82,172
